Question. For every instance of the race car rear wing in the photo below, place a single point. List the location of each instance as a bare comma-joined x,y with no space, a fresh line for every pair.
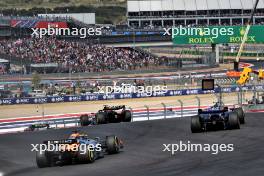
106,107
62,141
212,112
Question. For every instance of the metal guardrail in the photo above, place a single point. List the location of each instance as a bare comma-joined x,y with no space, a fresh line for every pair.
161,111
164,111
151,114
74,121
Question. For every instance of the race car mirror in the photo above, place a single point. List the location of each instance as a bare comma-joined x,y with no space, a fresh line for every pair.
208,84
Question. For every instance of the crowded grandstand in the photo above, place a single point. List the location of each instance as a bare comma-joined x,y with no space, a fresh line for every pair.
79,57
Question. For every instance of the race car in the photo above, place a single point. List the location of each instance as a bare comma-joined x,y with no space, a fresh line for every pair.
113,114
217,117
78,148
109,114
87,119
38,127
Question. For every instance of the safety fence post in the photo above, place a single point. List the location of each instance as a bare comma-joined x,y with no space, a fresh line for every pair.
239,96
216,96
147,111
165,110
199,101
181,107
242,95
131,110
255,95
258,96
77,123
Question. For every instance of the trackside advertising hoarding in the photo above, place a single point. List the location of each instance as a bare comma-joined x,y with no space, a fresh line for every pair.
113,96
216,34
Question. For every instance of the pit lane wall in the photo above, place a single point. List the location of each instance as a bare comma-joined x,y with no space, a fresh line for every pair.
95,97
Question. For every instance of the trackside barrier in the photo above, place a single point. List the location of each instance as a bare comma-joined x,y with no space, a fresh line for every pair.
95,97
72,120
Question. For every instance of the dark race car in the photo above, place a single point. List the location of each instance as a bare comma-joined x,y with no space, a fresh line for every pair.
78,148
38,127
217,117
109,114
87,119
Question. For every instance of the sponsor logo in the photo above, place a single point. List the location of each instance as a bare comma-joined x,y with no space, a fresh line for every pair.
55,147
214,149
128,89
54,30
213,32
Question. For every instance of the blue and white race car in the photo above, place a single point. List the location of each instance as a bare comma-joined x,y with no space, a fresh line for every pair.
217,117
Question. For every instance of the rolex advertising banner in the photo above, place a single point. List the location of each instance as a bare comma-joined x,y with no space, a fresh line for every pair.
216,34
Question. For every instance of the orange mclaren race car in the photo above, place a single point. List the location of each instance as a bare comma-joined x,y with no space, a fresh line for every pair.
78,148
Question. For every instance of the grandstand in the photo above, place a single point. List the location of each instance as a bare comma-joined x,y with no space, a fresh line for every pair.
5,29
84,18
21,26
66,56
165,13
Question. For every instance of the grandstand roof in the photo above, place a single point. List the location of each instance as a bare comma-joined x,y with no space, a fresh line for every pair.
189,5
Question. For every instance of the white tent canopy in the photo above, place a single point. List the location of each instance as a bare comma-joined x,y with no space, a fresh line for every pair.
247,4
144,6
167,4
178,5
189,5
225,4
213,4
133,6
202,5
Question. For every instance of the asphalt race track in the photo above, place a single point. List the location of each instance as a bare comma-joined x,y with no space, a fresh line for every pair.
143,154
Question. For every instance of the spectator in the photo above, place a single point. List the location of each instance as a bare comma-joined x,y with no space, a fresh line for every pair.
78,57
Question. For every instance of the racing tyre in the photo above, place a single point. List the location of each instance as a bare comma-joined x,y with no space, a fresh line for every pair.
87,156
101,118
225,109
241,115
84,120
200,111
233,121
66,159
196,126
127,116
112,144
42,160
